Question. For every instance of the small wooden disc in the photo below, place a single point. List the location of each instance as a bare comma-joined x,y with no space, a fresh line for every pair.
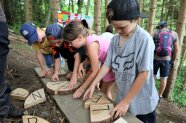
19,94
101,113
35,98
33,119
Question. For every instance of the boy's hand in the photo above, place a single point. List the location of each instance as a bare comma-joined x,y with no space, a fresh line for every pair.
88,93
120,109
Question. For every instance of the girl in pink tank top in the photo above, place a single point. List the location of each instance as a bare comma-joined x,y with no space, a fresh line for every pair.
77,35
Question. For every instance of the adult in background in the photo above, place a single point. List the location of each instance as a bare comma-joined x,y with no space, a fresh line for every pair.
108,34
165,54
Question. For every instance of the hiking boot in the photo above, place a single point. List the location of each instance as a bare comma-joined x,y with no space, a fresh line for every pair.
14,112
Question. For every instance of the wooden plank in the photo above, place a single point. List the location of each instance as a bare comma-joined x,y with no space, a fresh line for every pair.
73,109
120,120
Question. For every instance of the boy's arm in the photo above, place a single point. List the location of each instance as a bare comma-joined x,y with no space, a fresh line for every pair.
176,48
41,62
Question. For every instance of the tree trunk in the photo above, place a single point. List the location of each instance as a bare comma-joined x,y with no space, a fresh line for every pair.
180,29
55,6
72,5
183,55
80,5
162,10
152,15
141,2
69,6
28,10
184,83
88,4
97,16
48,17
105,19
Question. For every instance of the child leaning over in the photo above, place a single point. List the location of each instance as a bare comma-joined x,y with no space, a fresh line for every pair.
131,58
73,56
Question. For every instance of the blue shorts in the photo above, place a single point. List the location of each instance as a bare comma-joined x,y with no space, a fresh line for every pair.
48,60
148,118
164,66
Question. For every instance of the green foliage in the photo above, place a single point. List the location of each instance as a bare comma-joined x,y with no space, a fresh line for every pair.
179,95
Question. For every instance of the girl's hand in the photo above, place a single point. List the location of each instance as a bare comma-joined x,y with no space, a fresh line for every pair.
43,73
120,109
81,70
89,92
55,77
73,82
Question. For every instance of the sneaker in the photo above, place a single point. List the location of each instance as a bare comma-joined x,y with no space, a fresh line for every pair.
160,99
14,112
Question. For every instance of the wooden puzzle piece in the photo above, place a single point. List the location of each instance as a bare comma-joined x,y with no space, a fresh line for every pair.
60,87
101,113
33,119
120,120
35,98
96,99
19,94
62,72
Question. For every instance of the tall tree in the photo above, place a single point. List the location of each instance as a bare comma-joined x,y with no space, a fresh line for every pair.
151,15
97,16
28,10
105,19
72,5
162,10
55,6
141,2
180,29
80,5
87,8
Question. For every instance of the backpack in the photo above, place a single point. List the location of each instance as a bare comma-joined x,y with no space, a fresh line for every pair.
163,43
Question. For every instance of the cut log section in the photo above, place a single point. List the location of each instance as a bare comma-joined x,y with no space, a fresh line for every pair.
101,113
120,120
19,94
60,87
35,98
97,99
33,119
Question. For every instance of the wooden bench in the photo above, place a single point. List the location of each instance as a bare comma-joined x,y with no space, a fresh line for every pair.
73,109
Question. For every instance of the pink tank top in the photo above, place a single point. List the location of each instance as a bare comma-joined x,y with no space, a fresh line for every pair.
103,46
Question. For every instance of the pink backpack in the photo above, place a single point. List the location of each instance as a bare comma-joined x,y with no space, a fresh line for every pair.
163,43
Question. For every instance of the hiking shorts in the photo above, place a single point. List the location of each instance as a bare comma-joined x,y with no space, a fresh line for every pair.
164,66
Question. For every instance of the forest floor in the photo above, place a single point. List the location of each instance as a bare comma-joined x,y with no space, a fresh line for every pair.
20,73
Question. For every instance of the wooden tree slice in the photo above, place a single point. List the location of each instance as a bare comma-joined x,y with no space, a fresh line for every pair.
97,99
101,113
19,94
65,90
33,119
120,120
53,87
35,98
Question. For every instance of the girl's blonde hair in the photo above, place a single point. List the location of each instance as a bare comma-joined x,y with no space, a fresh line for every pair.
73,29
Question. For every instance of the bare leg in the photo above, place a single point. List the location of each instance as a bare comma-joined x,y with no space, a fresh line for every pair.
163,84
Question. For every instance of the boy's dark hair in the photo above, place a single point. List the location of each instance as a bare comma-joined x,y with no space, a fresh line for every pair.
123,10
109,29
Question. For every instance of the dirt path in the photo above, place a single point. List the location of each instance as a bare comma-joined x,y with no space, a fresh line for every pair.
20,73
